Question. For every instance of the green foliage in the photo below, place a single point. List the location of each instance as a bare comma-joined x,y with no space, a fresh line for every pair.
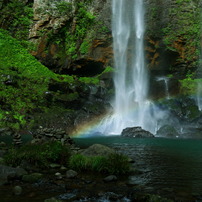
183,32
40,155
74,41
24,82
117,164
95,80
84,47
188,86
63,7
113,164
17,18
89,80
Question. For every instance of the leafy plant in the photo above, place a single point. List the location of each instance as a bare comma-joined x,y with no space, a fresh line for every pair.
113,164
40,155
18,17
24,82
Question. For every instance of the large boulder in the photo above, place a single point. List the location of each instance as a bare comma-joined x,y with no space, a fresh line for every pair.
167,131
136,132
7,171
98,150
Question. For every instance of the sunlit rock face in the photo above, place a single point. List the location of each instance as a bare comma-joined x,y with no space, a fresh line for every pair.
169,46
55,21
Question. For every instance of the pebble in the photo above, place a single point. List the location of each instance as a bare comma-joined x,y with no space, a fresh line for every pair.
17,190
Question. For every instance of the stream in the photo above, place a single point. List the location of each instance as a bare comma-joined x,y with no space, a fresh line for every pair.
169,166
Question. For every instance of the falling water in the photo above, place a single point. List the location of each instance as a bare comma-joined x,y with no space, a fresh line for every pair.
165,80
199,95
199,83
131,106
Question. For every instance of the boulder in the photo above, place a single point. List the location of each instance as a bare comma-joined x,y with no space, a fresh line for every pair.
110,178
136,132
98,150
71,174
17,190
32,178
6,171
167,131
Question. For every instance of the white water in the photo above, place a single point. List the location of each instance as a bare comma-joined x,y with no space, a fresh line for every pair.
166,80
199,83
131,106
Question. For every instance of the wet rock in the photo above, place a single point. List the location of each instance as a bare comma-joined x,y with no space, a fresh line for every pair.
71,174
62,168
153,197
58,176
110,178
54,165
98,150
167,131
52,200
32,178
6,171
17,190
51,134
131,181
136,132
1,161
2,144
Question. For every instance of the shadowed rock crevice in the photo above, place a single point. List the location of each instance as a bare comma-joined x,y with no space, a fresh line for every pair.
84,67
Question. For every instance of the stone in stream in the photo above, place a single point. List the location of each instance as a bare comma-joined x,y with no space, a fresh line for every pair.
71,174
7,172
110,178
58,176
17,190
32,178
98,150
136,132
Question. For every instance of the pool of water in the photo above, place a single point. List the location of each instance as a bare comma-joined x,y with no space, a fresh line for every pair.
170,166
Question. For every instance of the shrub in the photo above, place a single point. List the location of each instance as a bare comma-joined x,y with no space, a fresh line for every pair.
112,164
117,164
40,155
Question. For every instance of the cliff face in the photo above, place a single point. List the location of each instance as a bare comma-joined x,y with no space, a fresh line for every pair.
173,41
72,37
173,31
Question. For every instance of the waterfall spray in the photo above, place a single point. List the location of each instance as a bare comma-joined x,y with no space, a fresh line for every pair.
131,106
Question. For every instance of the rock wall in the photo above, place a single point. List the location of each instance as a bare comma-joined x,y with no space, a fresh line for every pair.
72,37
173,38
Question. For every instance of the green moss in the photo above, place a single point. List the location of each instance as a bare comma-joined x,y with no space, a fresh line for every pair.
74,41
24,82
182,33
89,80
63,7
188,86
16,17
96,80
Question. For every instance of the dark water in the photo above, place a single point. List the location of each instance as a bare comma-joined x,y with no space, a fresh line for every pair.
170,166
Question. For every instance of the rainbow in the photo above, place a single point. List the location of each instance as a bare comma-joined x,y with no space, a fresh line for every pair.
85,128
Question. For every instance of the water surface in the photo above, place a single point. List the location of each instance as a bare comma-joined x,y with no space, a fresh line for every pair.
170,166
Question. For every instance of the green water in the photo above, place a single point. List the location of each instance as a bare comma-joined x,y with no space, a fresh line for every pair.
170,166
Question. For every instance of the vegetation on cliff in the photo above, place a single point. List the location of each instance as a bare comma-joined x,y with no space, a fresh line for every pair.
24,82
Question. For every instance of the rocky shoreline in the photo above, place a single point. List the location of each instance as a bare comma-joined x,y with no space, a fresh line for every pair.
59,183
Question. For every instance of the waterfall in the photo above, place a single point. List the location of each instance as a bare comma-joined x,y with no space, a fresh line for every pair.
131,106
199,95
165,80
199,83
